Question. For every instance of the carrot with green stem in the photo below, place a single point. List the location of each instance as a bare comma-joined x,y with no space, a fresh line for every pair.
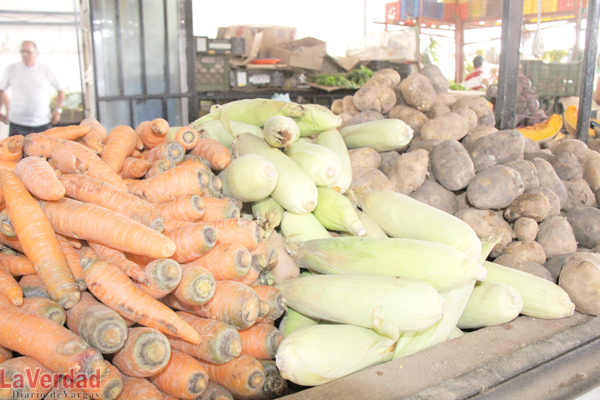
134,168
97,135
214,152
189,207
139,388
32,286
73,260
116,257
162,277
54,346
121,141
70,132
152,133
158,167
187,137
98,224
145,353
45,308
237,230
261,341
242,376
171,184
113,288
95,191
38,145
10,289
225,261
15,382
6,227
5,354
220,341
197,285
39,178
233,303
39,241
11,148
273,297
168,150
192,241
184,377
218,209
101,327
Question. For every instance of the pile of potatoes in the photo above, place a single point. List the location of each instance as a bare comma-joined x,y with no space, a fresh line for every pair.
538,199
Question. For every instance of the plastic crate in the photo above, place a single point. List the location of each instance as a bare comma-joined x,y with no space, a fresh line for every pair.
553,79
404,69
409,9
212,72
530,7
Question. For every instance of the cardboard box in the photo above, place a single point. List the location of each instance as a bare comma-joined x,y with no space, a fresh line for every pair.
272,35
307,53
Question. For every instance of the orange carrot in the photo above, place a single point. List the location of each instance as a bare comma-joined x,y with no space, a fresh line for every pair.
197,286
140,260
10,289
146,352
134,167
71,132
98,224
224,261
268,251
32,286
158,167
75,243
162,277
6,226
242,376
86,251
265,309
168,150
184,377
189,207
12,242
39,241
113,288
109,386
187,136
233,303
45,308
171,184
261,341
73,260
192,241
11,148
91,190
172,224
215,185
5,354
275,386
214,391
17,385
218,209
152,133
167,396
97,136
117,258
220,341
120,143
97,324
253,273
139,389
238,230
39,178
273,297
196,162
214,152
10,165
37,145
53,346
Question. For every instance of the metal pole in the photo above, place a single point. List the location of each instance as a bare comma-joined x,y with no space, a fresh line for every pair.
506,102
190,55
459,50
365,15
587,71
575,54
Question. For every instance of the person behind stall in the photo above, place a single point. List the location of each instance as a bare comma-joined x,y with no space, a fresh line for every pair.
33,84
476,80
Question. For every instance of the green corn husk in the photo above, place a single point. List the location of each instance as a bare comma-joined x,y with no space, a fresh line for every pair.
249,178
293,320
382,135
218,130
336,213
456,301
316,118
491,304
295,191
250,111
541,298
401,216
319,162
268,213
373,229
437,264
298,228
456,332
333,140
321,353
281,131
383,303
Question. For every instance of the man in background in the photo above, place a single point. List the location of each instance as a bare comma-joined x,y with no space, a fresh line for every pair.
33,84
476,80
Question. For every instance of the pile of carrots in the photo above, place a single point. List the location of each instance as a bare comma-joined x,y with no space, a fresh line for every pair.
121,259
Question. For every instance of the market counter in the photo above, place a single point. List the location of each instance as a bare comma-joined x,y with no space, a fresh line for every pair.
525,359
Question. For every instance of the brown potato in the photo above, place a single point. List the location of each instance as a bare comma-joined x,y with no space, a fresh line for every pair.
418,92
